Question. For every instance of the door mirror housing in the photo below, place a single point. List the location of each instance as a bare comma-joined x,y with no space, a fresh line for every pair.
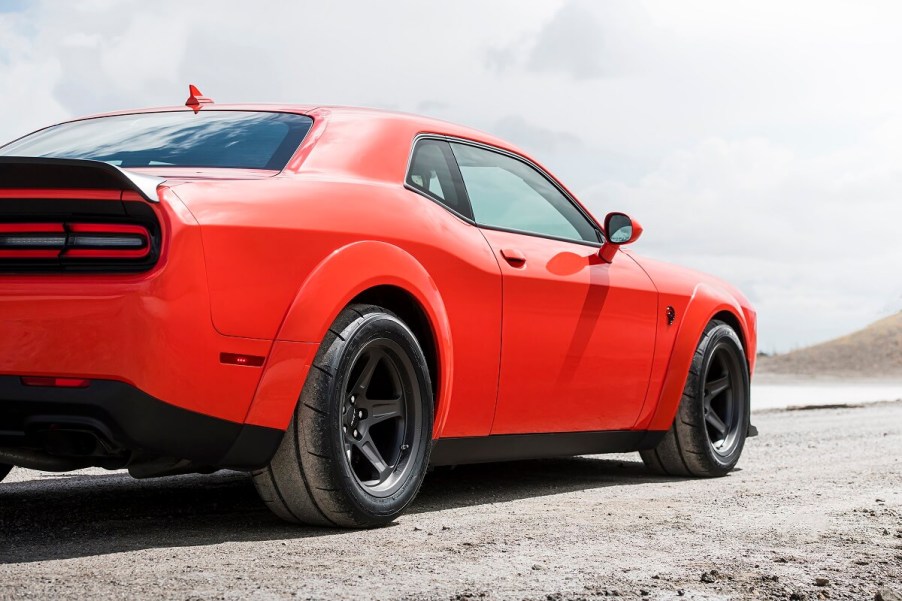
619,229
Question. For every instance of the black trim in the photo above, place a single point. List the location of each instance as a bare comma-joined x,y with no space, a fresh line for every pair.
440,203
453,171
545,236
512,447
125,419
528,162
43,173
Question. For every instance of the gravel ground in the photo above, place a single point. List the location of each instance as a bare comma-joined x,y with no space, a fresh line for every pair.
814,512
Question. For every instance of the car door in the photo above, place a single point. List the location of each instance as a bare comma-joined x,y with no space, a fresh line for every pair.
577,337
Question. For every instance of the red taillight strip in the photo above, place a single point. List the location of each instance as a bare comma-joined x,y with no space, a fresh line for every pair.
31,228
84,240
137,232
97,253
108,228
61,193
12,232
50,253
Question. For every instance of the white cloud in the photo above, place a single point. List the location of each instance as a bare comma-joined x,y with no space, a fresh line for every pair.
811,240
742,134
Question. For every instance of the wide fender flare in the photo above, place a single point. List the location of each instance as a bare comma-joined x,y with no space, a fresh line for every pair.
705,303
355,268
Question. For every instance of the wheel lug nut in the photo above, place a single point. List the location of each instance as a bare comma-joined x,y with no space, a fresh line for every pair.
353,398
356,434
360,414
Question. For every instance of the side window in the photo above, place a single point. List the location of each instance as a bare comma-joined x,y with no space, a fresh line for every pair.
509,194
433,172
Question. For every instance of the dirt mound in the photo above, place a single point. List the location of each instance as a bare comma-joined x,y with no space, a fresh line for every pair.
875,351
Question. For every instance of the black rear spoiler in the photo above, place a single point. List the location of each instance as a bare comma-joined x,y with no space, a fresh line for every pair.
32,172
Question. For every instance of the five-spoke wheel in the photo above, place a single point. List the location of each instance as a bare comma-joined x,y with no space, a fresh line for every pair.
712,421
358,446
378,417
724,402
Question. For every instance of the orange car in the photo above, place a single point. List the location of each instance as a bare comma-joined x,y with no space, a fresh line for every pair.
335,298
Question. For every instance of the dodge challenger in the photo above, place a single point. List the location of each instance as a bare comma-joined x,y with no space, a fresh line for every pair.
335,300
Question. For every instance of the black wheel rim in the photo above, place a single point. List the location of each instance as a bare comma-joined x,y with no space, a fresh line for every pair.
380,409
724,403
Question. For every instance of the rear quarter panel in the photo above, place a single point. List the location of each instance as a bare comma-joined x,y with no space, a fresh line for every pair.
266,241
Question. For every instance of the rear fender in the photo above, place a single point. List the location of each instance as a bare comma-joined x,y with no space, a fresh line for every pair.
331,285
704,304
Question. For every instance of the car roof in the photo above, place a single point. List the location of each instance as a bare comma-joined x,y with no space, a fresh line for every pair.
345,113
390,133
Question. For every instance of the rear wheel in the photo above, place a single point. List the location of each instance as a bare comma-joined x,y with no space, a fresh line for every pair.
709,430
4,470
357,448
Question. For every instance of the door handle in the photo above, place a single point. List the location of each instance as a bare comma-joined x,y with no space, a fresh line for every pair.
514,257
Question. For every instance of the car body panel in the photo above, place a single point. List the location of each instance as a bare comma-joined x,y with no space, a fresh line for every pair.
587,326
250,269
697,298
259,263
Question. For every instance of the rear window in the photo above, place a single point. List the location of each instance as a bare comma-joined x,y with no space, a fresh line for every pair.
225,139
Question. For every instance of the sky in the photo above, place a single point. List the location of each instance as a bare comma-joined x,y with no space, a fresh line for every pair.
758,141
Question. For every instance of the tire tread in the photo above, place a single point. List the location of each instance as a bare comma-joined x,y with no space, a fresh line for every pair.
684,449
300,465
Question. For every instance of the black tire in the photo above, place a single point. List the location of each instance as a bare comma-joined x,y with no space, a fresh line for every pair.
4,471
712,421
347,459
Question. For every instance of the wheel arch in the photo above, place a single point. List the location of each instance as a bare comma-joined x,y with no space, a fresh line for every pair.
731,319
706,303
406,306
381,274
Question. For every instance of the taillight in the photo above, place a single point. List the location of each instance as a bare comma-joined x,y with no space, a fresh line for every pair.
74,241
32,240
107,241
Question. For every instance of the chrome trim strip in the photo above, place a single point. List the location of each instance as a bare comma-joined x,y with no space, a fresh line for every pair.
145,184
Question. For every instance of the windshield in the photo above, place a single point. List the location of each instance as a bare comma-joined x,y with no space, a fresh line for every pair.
208,139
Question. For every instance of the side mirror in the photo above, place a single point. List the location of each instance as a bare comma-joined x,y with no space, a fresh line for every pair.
618,229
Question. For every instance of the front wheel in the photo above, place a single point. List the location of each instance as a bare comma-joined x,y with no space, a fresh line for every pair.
4,470
712,422
357,448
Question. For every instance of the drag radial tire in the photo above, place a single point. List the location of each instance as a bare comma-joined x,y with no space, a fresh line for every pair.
358,445
712,421
4,470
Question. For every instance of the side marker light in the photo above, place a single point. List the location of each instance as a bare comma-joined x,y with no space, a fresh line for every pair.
246,360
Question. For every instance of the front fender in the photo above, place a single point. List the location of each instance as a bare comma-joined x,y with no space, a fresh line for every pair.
704,304
331,285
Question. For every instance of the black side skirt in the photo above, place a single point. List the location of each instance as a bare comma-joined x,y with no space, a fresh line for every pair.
511,447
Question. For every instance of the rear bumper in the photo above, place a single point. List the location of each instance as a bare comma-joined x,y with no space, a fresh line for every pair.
110,418
151,330
162,380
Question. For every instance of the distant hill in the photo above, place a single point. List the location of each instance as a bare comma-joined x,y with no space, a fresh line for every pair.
875,351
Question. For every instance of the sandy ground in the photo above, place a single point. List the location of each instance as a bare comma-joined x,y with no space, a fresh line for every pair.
818,496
